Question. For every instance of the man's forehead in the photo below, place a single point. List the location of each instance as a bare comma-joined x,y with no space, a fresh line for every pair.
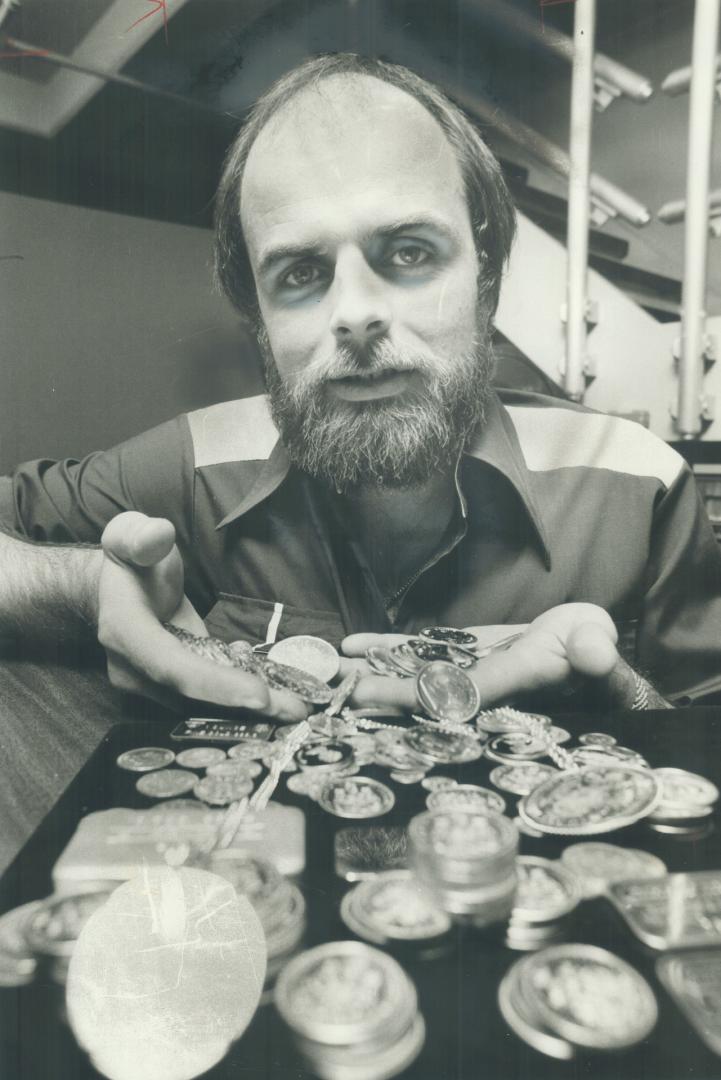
345,137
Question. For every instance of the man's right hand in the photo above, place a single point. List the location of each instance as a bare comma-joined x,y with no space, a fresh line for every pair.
140,588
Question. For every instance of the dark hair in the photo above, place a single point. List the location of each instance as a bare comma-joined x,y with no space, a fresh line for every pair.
492,214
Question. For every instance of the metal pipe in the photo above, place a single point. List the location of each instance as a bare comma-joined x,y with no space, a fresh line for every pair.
698,171
545,151
584,29
515,21
675,210
678,81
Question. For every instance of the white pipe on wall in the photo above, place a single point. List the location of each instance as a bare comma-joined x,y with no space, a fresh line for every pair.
574,379
693,320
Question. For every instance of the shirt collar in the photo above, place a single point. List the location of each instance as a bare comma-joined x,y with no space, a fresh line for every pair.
495,443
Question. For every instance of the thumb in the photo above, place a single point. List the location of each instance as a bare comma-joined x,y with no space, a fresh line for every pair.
137,539
591,650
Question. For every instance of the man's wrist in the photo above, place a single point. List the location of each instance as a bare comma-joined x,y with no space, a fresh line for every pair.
628,689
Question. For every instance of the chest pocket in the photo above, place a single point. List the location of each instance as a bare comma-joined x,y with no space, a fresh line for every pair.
241,617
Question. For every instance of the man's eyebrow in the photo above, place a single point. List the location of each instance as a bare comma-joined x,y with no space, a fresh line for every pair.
417,224
285,252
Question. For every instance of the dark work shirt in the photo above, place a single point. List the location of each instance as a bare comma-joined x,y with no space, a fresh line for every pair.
556,504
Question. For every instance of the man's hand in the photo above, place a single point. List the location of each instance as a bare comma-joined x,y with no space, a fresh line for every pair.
566,641
141,587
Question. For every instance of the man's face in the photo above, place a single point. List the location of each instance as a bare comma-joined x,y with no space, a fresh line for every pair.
357,226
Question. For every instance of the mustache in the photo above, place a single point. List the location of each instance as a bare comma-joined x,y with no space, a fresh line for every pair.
346,361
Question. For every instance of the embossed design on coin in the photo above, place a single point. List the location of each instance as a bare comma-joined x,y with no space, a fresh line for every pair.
469,797
200,757
439,783
446,693
597,865
222,790
590,997
522,778
443,747
682,790
146,759
393,905
545,890
166,784
310,654
591,800
356,797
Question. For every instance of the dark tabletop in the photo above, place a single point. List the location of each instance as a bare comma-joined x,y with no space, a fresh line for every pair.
466,1036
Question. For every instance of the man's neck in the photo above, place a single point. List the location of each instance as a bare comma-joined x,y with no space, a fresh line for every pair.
401,529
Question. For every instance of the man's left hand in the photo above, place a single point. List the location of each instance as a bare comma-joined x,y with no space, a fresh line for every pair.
565,642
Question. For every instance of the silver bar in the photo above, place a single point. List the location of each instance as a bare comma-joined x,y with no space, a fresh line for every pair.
698,171
515,21
545,151
675,210
679,81
584,29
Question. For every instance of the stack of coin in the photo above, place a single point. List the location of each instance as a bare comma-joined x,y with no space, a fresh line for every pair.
545,896
53,927
686,800
278,903
467,860
394,908
568,997
352,1010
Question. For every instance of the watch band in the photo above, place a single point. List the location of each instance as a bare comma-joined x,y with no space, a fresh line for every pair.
640,700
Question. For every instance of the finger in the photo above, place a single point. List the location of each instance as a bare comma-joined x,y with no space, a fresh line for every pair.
348,666
356,644
378,690
187,618
137,539
592,651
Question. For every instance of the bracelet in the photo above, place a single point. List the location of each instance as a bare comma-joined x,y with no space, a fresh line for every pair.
640,700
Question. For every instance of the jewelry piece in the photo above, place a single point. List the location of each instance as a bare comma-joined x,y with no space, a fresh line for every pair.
640,701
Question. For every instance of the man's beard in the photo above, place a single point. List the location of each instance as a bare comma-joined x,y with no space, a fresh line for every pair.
398,441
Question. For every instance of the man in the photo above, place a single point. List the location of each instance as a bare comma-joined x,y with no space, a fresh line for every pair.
363,227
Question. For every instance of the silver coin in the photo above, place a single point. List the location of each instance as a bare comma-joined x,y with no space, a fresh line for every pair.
607,755
403,776
250,748
545,891
325,754
394,906
466,797
521,779
591,800
558,734
405,658
447,693
597,865
443,747
597,738
145,759
439,783
379,661
235,767
200,757
307,653
440,650
514,747
590,997
685,790
524,1023
222,790
356,797
502,720
307,783
166,784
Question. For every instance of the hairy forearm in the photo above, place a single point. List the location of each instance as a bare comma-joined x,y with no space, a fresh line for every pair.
628,689
47,590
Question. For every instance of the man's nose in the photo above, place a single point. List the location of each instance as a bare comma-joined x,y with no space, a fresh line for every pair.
361,312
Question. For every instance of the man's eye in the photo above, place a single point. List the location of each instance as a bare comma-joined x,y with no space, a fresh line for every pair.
300,277
409,255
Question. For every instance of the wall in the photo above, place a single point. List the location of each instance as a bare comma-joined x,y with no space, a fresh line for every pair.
109,326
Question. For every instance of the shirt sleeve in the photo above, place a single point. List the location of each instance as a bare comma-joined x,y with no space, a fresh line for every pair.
679,635
72,501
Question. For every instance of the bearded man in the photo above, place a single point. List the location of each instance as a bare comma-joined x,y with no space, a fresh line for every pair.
381,485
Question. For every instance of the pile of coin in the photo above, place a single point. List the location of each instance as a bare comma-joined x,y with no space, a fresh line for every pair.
568,997
278,903
467,859
394,908
546,895
352,1010
53,926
